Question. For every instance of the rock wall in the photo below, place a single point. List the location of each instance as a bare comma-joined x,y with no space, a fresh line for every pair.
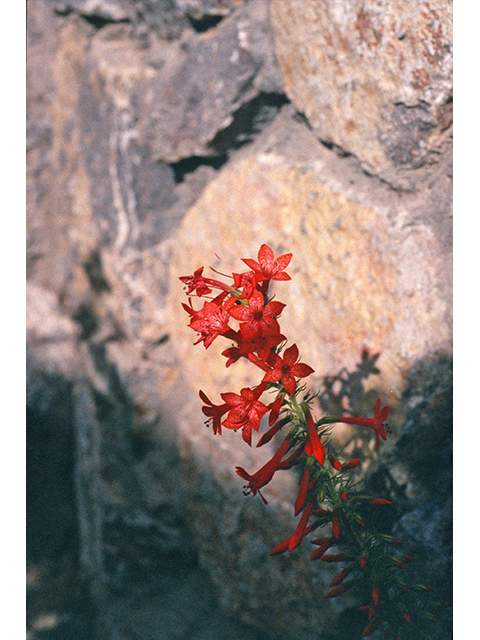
167,135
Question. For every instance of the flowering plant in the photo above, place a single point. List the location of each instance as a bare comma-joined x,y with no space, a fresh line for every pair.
328,496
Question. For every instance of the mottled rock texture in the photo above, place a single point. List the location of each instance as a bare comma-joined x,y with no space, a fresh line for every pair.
372,77
161,134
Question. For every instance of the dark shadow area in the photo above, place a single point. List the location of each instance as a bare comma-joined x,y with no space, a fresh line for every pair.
247,122
204,23
109,554
415,474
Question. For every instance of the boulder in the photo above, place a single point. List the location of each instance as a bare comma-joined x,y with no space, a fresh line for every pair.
373,79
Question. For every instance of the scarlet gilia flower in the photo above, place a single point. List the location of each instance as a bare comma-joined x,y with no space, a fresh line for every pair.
353,463
246,411
369,629
287,369
335,464
265,474
344,496
324,546
302,494
245,281
375,595
379,501
407,617
258,316
362,562
247,346
268,435
214,412
211,321
333,557
336,591
267,268
196,283
335,526
339,577
297,536
202,286
275,409
375,423
313,446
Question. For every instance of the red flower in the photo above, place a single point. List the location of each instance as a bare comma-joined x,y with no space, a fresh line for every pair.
375,423
302,494
265,474
196,283
334,557
324,546
215,412
297,536
259,343
202,286
211,321
336,591
362,562
246,281
339,577
268,435
246,411
275,409
287,369
258,316
313,444
369,629
267,268
379,501
375,595
407,617
336,464
353,463
336,526
344,496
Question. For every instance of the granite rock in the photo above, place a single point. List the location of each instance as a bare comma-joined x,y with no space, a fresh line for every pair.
373,78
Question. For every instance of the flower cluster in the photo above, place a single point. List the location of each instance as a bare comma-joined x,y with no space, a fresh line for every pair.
245,314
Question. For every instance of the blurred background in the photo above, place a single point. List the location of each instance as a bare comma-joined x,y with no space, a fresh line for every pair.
165,135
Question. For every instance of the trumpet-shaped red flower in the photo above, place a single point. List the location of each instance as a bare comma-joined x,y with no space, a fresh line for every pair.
369,629
246,411
336,591
211,321
340,577
287,369
266,473
258,316
259,343
267,268
335,526
375,423
245,281
324,546
275,428
214,412
196,283
297,536
302,494
201,285
313,445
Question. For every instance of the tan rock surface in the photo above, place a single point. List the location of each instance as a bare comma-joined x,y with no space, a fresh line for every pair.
363,274
372,77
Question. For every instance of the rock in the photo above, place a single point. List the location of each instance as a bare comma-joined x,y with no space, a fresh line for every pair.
121,202
366,268
372,78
